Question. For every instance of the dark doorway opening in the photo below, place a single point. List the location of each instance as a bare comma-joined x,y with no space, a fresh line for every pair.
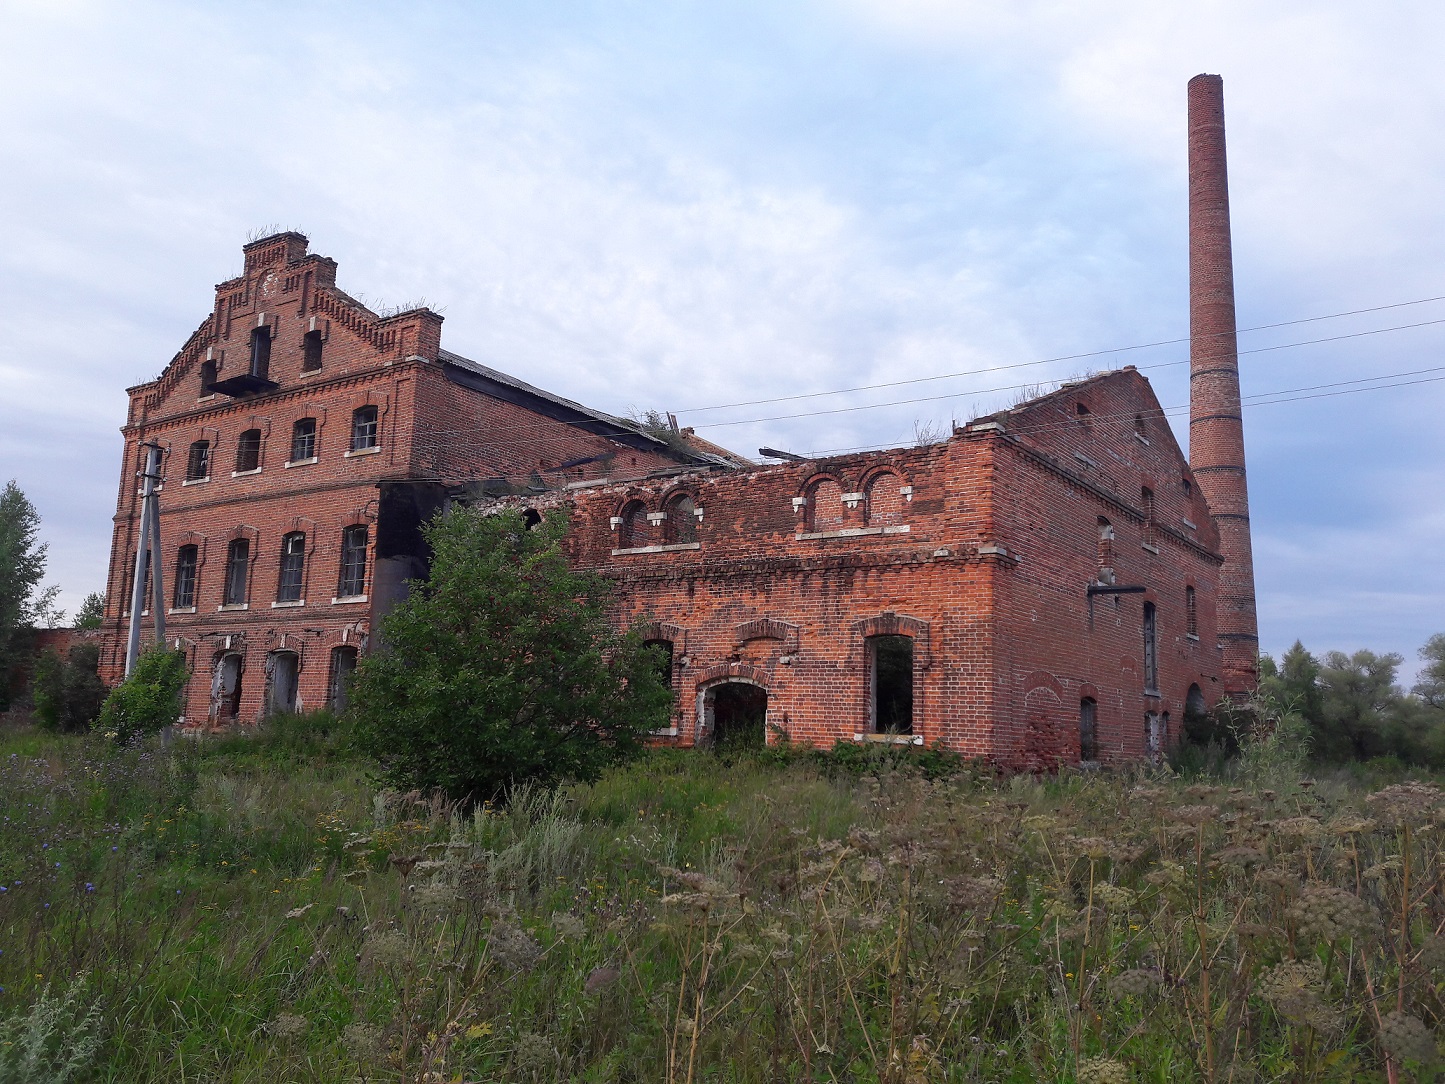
283,673
739,715
892,658
226,688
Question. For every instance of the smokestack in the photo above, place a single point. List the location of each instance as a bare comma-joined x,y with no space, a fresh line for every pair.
1216,427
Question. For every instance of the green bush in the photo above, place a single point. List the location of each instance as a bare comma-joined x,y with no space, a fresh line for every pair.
149,700
68,692
503,667
53,1042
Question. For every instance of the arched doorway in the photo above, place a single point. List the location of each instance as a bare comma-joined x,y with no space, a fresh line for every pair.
737,713
282,671
226,687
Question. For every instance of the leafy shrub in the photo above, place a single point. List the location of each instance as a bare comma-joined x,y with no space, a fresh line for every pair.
149,700
68,692
52,1042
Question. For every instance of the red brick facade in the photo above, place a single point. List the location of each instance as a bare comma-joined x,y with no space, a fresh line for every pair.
435,420
984,552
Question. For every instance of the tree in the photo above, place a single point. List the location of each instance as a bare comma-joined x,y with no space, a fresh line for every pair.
92,612
22,564
503,667
1359,701
68,692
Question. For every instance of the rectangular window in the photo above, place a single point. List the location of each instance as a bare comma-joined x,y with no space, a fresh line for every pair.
343,665
311,352
363,429
891,673
1088,731
293,566
183,597
208,377
1151,651
303,440
352,581
261,352
1191,612
238,567
1146,501
198,462
248,451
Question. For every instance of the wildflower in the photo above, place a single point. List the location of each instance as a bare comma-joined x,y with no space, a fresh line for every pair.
513,948
569,926
288,1025
1328,914
297,912
362,1041
1102,1071
1405,1038
533,1053
388,949
600,979
1405,803
1136,982
1432,953
1292,988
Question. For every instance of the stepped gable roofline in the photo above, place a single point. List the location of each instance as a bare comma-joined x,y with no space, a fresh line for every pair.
500,385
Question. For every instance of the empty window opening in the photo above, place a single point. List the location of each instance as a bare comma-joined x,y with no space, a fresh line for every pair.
891,677
226,687
1139,428
1188,487
363,428
311,351
1191,612
1154,737
352,581
261,353
1080,409
283,671
661,652
738,713
531,519
248,451
183,594
198,461
343,665
303,440
1151,651
238,568
681,523
293,567
1106,551
208,377
1088,730
1194,707
632,532
825,506
885,501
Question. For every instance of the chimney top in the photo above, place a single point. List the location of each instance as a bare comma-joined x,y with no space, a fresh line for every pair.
278,248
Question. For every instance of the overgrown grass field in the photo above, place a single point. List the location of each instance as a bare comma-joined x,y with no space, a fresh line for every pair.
256,910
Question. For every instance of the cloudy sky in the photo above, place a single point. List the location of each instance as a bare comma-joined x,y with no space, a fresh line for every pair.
686,205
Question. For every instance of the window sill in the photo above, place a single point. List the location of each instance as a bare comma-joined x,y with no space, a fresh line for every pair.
244,473
675,547
196,481
347,600
890,739
206,398
288,605
1190,524
233,606
1142,439
1150,547
373,450
667,732
297,463
1153,694
311,372
852,532
1192,636
181,610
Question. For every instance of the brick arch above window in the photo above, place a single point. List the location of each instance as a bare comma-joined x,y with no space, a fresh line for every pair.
243,530
889,623
662,630
767,628
884,498
732,671
1036,680
824,510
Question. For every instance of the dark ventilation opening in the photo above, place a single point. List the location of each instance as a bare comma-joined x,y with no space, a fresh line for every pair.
1088,731
311,352
1080,409
532,519
892,658
739,715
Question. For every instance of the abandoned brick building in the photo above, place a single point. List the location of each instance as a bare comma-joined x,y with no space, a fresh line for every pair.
1051,584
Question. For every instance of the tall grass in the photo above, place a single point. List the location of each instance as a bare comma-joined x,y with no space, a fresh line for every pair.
247,911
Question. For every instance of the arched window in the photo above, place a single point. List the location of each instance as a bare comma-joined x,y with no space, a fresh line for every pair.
885,501
632,531
183,593
1151,651
198,461
825,506
363,428
352,580
293,567
343,665
303,440
238,569
890,674
1088,730
248,451
681,523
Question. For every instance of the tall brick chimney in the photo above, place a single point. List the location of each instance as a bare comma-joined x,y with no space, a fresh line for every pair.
1216,427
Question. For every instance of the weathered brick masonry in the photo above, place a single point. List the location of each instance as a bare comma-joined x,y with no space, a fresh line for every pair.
980,552
351,427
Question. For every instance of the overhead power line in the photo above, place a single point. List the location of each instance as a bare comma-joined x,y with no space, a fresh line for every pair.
1051,361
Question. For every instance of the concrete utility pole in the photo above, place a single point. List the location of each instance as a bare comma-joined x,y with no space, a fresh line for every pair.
149,545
